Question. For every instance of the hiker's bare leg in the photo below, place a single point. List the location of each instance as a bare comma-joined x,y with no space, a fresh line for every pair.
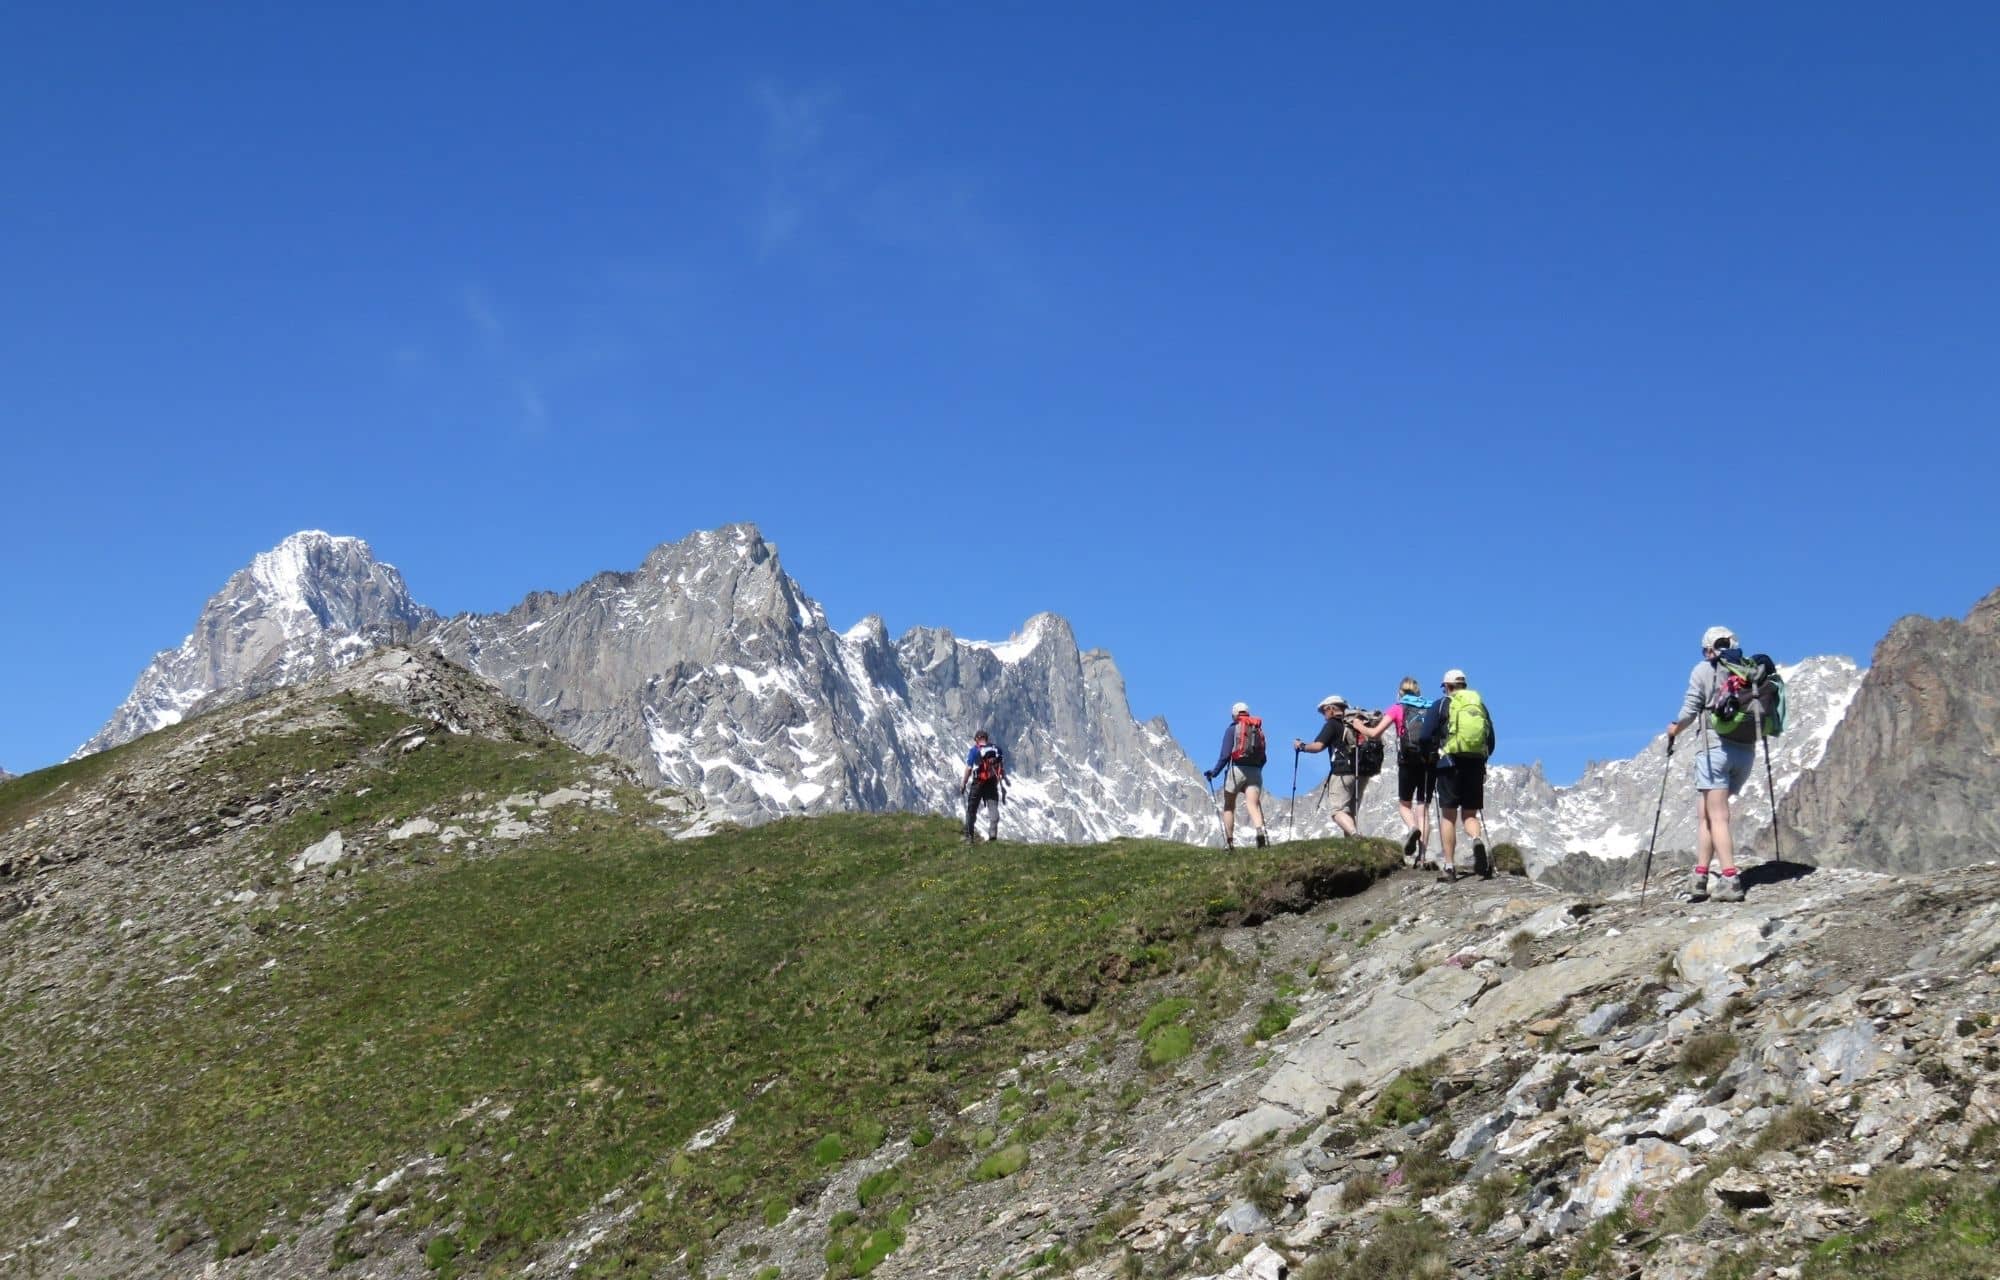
1704,839
1448,834
1254,796
1715,825
1228,816
1473,826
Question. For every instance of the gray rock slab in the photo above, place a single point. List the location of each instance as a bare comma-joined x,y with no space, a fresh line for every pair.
322,854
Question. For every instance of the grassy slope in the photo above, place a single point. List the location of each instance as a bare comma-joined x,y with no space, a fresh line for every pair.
557,1022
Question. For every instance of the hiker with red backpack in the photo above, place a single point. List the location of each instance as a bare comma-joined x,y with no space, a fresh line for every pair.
1243,752
984,783
1738,702
1416,765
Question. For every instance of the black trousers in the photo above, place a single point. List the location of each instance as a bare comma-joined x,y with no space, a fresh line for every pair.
988,792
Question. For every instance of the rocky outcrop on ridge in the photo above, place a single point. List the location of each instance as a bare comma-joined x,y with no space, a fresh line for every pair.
175,838
1504,1079
313,603
1909,779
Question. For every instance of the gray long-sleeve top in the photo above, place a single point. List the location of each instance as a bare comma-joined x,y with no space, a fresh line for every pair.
1702,684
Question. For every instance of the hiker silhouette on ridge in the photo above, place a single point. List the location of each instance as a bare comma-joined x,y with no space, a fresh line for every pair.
1722,764
1242,755
985,777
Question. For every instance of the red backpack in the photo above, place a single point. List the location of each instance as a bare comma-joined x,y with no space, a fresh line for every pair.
1249,746
992,766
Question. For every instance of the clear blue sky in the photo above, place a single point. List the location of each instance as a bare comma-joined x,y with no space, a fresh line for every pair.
1284,349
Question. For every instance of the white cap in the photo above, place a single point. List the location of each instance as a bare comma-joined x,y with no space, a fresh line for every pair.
1332,700
1454,676
1714,635
1239,708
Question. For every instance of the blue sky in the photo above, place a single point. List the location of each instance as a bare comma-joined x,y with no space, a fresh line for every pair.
1284,349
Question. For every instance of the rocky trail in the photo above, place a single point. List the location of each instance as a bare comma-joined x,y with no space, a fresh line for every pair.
1550,1082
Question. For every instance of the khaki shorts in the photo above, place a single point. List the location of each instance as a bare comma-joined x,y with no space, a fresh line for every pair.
1344,792
1242,776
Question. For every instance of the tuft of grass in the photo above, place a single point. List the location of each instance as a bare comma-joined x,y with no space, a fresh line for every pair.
1491,1197
829,1150
1405,1100
1704,1056
1507,859
1163,1037
879,1186
1521,950
1004,1163
1273,1018
1795,1127
1263,1185
1403,1246
1359,1189
1427,1169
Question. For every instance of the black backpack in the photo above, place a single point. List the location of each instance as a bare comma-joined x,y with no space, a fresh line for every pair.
1412,746
1368,758
1351,755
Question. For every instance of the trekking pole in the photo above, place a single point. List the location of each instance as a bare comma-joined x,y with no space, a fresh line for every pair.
1777,843
1217,805
1292,821
1666,766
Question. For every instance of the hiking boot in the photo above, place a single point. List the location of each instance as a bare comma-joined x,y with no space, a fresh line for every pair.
1412,843
1228,843
1263,841
1482,866
1449,875
1698,884
1724,887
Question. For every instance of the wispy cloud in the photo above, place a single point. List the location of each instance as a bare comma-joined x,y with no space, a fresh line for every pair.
520,386
797,174
833,182
480,311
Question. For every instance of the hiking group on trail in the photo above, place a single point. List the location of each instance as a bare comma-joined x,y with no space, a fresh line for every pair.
1442,748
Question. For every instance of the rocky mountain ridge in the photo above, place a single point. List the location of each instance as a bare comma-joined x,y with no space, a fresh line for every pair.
1908,783
708,667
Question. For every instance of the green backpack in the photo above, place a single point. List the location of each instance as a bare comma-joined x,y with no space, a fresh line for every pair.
1468,729
1749,695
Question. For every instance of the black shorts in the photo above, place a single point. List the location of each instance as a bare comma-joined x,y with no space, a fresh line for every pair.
1462,785
1415,780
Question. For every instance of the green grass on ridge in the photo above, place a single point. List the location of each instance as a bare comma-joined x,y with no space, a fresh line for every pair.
556,1022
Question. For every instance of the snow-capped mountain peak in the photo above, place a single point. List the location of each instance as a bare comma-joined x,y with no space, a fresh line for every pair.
313,603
